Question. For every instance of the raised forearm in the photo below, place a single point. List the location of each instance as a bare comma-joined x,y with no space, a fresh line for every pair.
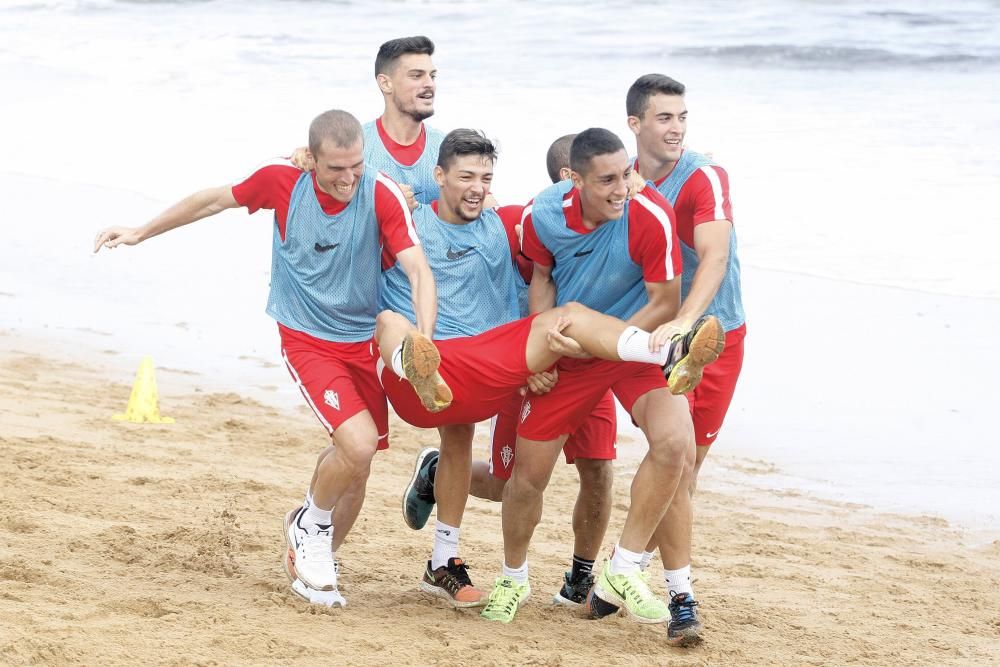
193,207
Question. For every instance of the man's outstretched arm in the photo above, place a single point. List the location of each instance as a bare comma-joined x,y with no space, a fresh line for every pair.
193,207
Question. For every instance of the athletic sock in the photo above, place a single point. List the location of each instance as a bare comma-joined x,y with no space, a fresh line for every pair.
445,544
518,574
647,557
581,566
678,581
633,345
397,361
314,516
308,502
624,561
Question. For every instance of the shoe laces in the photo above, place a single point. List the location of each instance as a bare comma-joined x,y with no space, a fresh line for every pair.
457,574
502,598
318,548
682,608
636,586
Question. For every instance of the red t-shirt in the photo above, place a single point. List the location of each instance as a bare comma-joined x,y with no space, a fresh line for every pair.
704,197
652,234
405,155
271,185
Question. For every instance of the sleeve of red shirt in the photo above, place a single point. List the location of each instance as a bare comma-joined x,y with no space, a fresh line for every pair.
708,192
269,186
393,215
511,218
531,245
652,236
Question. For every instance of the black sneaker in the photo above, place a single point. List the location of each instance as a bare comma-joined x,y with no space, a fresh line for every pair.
574,590
684,628
691,352
451,582
418,498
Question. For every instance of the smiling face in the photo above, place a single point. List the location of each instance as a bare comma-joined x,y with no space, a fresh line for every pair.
411,86
464,185
659,133
603,186
339,169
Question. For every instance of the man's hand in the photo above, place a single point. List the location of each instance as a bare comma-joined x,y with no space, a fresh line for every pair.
407,191
542,383
112,237
564,345
636,184
663,333
302,159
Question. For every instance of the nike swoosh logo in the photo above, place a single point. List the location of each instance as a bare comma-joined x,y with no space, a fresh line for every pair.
712,435
324,248
582,253
461,253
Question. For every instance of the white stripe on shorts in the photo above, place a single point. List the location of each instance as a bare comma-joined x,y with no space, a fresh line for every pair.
302,388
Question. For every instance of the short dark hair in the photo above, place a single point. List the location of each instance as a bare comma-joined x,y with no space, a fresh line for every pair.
465,142
647,85
338,126
558,156
394,49
591,143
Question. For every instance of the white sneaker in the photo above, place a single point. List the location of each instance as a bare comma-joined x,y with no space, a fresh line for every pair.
313,552
312,596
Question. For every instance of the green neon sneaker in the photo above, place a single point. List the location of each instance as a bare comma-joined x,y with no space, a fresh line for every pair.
505,599
632,593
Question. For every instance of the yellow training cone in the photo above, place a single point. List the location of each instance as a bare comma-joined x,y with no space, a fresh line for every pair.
143,405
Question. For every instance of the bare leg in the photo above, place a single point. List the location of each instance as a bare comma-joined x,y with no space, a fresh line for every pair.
662,537
451,482
348,464
592,511
484,485
346,511
522,496
666,422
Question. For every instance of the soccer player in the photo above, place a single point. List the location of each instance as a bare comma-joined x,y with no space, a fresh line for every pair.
398,143
591,448
591,244
698,189
472,253
329,228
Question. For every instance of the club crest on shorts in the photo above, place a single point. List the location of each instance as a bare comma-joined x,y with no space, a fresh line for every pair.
330,398
506,455
525,410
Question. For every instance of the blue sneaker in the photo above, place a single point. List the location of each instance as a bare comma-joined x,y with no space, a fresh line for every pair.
418,498
684,628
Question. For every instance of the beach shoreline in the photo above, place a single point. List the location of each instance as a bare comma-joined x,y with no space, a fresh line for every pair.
129,543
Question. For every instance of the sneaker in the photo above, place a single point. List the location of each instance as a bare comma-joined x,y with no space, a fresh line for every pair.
598,608
574,591
632,592
505,599
420,364
691,352
312,596
451,582
418,497
312,552
288,562
684,628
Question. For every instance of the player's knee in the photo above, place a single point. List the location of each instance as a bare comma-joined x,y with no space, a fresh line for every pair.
674,449
596,477
388,319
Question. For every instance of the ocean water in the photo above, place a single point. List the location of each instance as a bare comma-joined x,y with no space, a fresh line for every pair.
860,138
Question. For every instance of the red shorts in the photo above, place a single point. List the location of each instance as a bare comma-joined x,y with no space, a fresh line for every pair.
711,398
595,439
582,383
482,371
338,380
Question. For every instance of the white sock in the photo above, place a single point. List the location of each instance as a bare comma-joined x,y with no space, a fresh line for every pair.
624,561
314,516
445,544
647,557
397,361
308,502
633,345
518,574
678,581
